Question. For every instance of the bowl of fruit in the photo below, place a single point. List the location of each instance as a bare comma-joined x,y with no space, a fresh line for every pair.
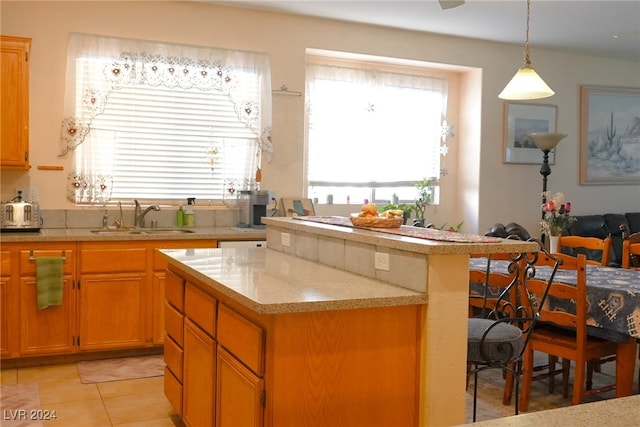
370,217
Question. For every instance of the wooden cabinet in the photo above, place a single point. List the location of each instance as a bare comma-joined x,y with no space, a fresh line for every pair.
222,355
14,98
198,395
239,393
159,271
8,304
51,330
239,383
112,296
323,368
174,341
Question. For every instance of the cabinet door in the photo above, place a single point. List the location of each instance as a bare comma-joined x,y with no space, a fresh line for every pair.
198,381
157,307
14,143
8,318
112,311
50,330
238,393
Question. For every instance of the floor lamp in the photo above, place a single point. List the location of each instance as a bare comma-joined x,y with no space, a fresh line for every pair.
546,142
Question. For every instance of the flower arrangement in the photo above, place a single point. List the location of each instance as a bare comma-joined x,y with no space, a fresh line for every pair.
556,214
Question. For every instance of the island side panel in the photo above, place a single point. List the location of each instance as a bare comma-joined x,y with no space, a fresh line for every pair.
444,342
348,367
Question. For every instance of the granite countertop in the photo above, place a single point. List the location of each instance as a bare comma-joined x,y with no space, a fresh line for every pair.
622,411
86,234
269,282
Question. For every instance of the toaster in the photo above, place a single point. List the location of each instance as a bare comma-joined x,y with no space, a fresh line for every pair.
20,216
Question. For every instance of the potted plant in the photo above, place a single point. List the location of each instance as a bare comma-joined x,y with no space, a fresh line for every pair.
406,208
426,192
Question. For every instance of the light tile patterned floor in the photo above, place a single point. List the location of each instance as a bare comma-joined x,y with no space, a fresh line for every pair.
130,403
141,402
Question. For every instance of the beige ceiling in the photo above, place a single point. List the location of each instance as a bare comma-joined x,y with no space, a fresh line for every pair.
601,28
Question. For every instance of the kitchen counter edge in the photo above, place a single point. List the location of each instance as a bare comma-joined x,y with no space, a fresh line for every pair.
86,235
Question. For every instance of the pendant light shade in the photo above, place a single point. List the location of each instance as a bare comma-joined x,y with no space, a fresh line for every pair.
526,84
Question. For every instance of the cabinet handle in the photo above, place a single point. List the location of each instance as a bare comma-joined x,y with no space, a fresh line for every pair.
33,258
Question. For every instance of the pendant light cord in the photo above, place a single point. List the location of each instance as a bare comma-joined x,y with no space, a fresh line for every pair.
527,59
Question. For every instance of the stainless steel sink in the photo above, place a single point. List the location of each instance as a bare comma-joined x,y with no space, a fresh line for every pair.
164,230
141,231
116,231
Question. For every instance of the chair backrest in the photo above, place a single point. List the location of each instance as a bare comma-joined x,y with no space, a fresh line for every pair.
631,251
551,295
491,291
596,250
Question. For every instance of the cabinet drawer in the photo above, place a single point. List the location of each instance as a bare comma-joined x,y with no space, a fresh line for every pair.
174,290
113,260
173,357
173,323
173,390
28,263
201,308
241,337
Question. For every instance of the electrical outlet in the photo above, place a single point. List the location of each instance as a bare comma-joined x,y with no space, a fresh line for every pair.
285,239
381,261
28,194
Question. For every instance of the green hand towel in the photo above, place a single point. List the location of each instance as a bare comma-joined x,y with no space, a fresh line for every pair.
49,281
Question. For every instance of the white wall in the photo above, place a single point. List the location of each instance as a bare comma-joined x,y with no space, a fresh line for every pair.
484,189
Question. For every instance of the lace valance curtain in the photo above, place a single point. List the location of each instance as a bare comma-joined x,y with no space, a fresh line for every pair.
97,66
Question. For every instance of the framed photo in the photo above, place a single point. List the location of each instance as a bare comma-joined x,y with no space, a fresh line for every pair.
609,136
298,207
520,120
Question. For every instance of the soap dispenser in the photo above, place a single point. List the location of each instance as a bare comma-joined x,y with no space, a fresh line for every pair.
180,216
189,215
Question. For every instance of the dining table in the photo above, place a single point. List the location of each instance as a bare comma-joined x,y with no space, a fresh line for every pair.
613,307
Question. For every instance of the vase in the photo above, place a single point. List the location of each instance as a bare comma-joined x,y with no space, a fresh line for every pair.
553,244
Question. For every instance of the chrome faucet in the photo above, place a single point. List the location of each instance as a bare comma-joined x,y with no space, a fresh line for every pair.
139,214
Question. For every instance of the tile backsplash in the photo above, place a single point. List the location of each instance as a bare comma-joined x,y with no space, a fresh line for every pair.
408,269
166,217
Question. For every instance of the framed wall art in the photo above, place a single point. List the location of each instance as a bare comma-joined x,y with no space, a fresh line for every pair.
609,136
521,119
298,207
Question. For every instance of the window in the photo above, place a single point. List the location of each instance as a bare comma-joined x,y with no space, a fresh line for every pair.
372,133
163,122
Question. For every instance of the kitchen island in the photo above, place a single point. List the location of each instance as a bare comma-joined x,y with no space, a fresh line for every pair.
310,332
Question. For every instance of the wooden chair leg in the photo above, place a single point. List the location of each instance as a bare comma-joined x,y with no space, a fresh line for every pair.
566,367
578,382
508,385
527,379
552,360
592,365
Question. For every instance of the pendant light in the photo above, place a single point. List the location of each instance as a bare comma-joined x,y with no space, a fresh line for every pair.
526,84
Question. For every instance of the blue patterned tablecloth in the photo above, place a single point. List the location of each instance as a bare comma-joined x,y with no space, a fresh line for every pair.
613,294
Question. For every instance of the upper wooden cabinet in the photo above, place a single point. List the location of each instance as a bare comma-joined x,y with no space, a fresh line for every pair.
14,78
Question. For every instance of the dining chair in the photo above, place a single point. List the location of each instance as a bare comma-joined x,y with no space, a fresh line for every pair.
631,259
631,251
596,250
563,333
498,337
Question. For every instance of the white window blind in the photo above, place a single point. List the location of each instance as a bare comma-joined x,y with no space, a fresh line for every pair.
162,121
161,143
372,133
